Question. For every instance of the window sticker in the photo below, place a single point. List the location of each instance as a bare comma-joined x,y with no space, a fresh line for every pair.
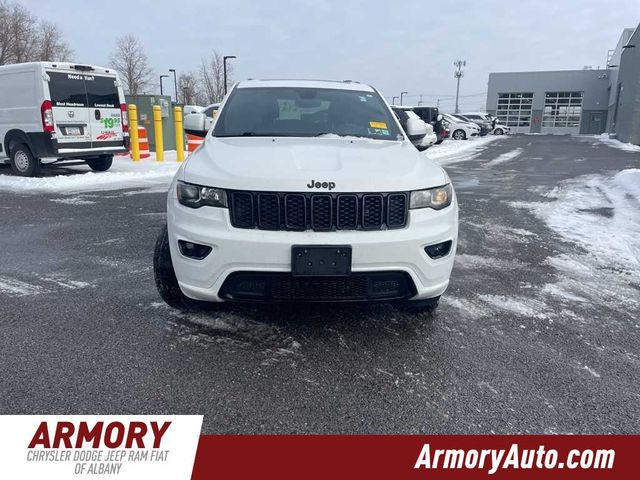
379,131
378,125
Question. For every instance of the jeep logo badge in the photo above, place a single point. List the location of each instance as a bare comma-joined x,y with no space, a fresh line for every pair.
314,184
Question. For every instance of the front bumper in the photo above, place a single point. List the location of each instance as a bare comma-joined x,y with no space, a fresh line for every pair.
244,250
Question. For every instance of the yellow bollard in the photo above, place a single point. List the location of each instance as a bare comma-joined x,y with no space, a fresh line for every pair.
133,133
157,128
177,118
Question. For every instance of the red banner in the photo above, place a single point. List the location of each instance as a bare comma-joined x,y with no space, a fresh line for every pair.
418,457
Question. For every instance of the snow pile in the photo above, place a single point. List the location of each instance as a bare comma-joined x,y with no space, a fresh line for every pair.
124,173
628,147
599,214
454,151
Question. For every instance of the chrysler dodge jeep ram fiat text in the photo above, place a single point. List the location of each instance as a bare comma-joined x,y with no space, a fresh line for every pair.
307,191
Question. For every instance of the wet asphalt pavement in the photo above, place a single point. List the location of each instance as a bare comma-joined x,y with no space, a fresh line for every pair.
83,331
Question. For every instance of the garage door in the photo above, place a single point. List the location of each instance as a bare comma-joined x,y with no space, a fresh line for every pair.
562,111
514,110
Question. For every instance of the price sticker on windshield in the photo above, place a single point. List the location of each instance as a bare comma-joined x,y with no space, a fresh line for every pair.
380,125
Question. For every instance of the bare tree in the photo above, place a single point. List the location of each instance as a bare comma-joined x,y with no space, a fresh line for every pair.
51,46
188,88
24,39
212,78
18,35
131,62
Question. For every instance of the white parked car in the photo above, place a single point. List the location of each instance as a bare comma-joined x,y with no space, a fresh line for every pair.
210,112
484,120
306,191
500,129
55,112
187,109
458,129
422,142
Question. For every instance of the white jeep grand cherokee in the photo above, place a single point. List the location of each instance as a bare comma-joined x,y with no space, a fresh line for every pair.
306,191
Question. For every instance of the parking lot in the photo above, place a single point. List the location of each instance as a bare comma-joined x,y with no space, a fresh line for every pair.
537,333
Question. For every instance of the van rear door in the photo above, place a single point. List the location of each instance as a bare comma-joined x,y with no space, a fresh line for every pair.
86,110
104,111
70,109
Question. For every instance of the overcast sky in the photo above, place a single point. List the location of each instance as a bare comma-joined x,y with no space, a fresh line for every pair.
405,45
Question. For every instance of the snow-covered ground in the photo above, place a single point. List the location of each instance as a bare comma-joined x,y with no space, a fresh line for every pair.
124,173
629,147
454,151
505,157
601,216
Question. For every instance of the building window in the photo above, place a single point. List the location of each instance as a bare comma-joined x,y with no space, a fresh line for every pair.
562,109
514,109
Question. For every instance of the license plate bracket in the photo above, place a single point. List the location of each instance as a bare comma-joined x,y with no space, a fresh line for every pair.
321,260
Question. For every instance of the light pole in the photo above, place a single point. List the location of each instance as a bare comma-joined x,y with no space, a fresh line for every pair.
224,64
458,74
175,82
401,94
393,100
161,77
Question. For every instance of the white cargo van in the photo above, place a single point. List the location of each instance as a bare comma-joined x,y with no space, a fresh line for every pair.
54,113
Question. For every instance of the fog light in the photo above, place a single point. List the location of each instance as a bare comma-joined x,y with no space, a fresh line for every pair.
193,250
439,250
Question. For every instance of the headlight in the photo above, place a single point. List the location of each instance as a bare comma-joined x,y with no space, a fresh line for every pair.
436,198
195,196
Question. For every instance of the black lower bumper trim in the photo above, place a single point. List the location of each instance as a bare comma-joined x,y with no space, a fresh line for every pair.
284,287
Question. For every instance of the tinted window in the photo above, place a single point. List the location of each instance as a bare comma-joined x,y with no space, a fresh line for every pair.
401,115
67,90
428,114
102,92
303,112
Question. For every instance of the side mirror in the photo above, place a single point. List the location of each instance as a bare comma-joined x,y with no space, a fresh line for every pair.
195,124
439,117
416,128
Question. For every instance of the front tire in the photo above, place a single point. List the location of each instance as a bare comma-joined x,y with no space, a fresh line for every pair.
23,162
498,131
165,276
101,164
459,135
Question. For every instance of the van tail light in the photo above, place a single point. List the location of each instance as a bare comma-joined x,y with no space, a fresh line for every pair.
125,117
47,117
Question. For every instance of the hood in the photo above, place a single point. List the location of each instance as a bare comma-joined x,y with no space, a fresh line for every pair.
291,164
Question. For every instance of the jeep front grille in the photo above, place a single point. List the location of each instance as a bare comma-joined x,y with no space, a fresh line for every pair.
318,211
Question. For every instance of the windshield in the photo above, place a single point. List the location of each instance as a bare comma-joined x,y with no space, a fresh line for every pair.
305,112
